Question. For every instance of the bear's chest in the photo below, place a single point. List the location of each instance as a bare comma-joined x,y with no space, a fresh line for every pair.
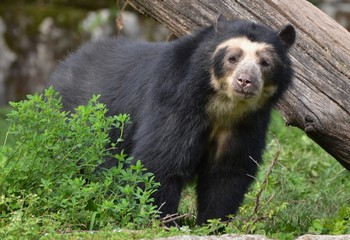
224,113
219,142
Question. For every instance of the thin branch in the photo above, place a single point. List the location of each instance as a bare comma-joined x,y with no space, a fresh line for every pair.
264,183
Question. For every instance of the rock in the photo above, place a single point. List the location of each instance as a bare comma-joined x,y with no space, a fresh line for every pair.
255,237
324,237
222,237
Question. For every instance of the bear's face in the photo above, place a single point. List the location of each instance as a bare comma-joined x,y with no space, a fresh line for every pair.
242,69
248,67
243,76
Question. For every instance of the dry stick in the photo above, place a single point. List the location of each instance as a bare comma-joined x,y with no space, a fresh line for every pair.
262,188
173,217
170,217
119,20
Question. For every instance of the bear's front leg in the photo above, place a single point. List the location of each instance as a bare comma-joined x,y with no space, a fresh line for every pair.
220,193
168,195
229,167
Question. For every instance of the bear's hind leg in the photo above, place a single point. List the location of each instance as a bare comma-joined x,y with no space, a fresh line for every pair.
171,152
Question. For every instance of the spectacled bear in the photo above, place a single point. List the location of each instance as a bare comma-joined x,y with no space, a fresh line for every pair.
200,105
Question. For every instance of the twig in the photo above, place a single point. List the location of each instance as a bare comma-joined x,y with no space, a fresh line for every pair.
172,218
262,188
256,162
119,20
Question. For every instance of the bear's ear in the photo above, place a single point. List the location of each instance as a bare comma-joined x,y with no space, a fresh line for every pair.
287,34
220,23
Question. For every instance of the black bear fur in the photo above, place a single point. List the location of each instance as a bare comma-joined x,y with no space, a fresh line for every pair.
165,87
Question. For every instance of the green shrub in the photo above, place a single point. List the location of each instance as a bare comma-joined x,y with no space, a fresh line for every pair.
47,178
3,123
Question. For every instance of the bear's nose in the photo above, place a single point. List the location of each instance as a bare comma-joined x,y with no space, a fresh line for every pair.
244,80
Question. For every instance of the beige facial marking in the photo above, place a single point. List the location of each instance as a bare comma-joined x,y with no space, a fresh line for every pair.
246,51
249,48
225,108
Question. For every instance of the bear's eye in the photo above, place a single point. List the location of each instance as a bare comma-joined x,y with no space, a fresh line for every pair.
232,59
264,63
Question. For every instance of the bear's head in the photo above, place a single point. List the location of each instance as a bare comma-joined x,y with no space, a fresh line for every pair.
250,67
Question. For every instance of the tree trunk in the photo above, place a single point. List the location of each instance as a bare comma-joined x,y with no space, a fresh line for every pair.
319,100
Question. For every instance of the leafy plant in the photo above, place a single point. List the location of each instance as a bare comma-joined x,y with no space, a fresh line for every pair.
339,224
48,178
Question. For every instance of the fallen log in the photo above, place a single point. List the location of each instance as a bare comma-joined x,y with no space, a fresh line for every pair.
319,100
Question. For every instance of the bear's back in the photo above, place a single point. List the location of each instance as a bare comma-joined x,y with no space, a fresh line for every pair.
111,67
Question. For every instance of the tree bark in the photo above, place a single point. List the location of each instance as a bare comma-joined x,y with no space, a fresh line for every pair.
319,100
